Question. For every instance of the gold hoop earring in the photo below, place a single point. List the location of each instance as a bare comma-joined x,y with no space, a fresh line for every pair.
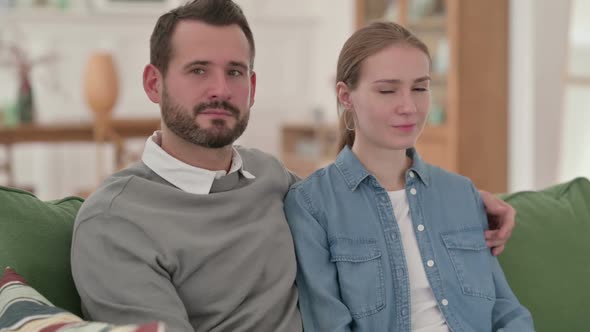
346,122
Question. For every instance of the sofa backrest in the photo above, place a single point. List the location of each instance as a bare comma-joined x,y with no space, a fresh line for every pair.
35,239
546,261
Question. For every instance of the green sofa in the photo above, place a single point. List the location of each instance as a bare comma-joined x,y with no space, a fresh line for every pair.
545,261
35,239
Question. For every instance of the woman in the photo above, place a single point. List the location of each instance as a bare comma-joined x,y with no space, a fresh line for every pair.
385,241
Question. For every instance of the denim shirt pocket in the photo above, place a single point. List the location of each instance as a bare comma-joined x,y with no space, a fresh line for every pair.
360,274
471,260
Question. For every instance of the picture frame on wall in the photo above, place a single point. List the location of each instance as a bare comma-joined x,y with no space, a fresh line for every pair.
133,6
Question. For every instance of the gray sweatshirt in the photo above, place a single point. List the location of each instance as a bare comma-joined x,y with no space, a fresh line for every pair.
145,250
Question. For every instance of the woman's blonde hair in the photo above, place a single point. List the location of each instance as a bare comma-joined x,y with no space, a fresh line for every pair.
364,43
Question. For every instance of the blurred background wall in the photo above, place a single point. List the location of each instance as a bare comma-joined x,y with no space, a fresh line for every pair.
298,43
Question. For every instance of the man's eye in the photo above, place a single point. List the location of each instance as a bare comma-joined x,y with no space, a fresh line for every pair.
420,89
386,91
235,72
198,71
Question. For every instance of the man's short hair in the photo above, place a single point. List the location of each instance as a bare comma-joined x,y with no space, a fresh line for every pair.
213,12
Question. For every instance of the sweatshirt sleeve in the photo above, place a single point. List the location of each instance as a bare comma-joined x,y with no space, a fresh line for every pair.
116,271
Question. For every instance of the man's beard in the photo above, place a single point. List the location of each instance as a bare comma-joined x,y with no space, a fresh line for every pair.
182,122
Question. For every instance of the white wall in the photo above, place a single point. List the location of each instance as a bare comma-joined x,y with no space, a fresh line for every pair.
538,31
551,44
575,156
521,140
297,44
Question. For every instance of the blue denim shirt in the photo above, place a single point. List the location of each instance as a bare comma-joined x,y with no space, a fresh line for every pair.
352,271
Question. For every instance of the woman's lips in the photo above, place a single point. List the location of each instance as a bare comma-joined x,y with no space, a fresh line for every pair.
405,127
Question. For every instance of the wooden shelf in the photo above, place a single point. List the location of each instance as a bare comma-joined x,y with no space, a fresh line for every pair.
303,167
75,132
76,16
119,131
435,24
307,147
578,80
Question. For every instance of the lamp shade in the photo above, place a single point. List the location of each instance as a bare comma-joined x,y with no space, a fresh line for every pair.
101,84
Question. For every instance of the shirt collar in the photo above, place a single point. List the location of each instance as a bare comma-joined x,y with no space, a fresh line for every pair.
188,178
354,172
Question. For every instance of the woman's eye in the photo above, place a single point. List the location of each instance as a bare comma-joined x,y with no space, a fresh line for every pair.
386,91
198,71
420,89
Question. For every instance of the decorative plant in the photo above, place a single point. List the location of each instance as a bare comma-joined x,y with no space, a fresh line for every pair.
16,56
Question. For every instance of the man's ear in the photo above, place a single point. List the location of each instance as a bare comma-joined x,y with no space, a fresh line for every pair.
343,94
153,83
252,88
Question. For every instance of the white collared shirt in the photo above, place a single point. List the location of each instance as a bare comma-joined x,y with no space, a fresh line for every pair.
188,178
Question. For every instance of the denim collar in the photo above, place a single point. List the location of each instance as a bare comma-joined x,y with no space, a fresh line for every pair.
354,172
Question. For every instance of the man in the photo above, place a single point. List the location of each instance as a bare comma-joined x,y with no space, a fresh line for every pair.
194,234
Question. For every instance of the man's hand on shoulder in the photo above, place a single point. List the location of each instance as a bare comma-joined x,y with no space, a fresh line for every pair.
501,219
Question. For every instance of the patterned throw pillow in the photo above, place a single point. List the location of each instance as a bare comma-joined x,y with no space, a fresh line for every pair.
22,308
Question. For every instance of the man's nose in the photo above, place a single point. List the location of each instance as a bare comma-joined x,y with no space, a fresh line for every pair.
219,88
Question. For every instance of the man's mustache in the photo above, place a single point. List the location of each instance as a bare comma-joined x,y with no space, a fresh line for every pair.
218,105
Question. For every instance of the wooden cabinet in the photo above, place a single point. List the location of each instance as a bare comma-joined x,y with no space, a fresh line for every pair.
307,147
468,40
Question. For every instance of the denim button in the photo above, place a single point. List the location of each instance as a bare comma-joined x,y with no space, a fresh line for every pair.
412,174
413,191
420,228
404,312
445,302
392,236
430,263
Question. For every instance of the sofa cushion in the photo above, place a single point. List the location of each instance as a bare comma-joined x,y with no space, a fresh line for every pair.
35,239
22,308
546,260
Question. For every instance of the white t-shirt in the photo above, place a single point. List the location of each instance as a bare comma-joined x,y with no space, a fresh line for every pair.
426,316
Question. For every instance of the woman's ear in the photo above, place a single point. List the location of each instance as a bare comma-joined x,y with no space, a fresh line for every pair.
343,94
